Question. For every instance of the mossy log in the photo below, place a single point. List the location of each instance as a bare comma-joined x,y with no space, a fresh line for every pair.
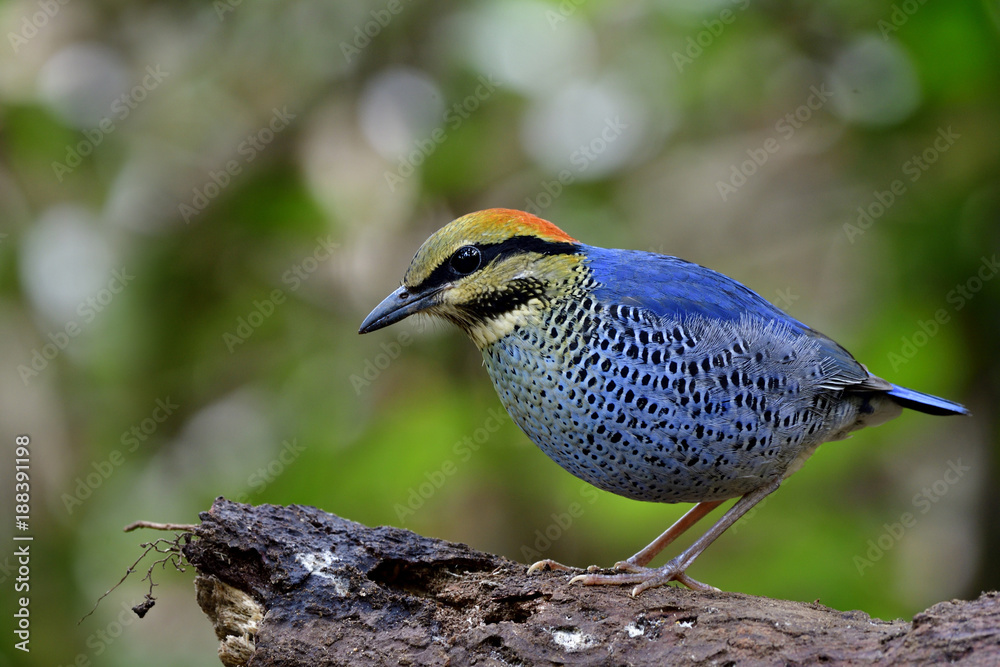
298,586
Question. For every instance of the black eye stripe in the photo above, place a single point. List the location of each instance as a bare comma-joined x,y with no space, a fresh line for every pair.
490,252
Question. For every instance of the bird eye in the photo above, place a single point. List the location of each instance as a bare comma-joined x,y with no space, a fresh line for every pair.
466,259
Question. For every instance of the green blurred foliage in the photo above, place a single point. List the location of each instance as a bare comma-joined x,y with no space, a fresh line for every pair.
257,245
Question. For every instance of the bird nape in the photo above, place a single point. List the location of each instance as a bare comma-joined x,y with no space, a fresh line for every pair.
643,374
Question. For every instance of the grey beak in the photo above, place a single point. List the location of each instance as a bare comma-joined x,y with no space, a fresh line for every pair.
397,306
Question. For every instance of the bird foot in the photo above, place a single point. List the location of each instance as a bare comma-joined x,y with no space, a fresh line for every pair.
643,577
551,565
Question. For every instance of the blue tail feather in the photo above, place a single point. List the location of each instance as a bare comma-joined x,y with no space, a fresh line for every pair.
926,403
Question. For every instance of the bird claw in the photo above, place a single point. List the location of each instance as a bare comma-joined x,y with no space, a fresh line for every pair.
551,565
696,585
643,577
627,566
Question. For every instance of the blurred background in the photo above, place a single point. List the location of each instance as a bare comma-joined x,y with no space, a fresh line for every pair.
199,202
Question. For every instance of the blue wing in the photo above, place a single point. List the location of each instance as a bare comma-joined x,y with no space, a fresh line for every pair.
675,289
672,288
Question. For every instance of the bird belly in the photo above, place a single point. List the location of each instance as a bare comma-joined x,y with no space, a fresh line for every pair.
629,458
685,422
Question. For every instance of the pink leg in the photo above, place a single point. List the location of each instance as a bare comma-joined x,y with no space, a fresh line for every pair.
645,577
691,517
637,562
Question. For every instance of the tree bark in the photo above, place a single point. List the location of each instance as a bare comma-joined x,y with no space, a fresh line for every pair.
297,586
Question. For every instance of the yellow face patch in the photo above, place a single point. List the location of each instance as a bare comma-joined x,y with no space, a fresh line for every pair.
524,284
492,278
550,273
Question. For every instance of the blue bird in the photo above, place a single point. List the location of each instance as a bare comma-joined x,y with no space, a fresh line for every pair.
643,374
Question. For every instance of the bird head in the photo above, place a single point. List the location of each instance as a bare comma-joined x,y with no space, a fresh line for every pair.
486,272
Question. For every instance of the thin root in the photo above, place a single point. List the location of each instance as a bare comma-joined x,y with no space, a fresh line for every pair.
173,555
